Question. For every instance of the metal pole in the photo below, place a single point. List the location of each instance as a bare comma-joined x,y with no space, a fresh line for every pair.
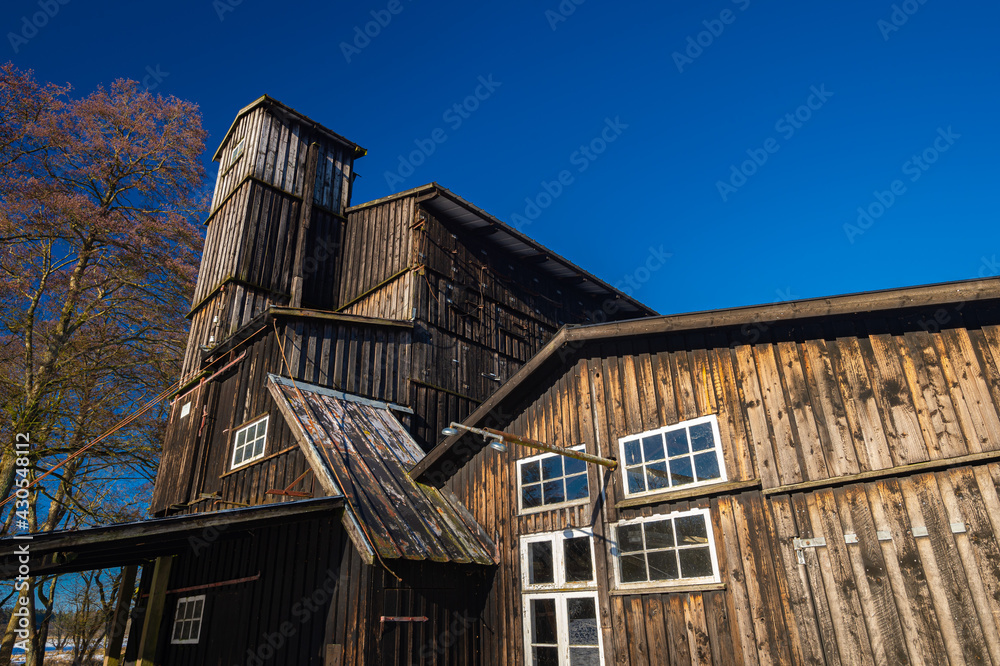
541,446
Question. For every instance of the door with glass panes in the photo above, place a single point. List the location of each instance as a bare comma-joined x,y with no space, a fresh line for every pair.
559,594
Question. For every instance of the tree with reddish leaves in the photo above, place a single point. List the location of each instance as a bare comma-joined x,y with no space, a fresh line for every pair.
100,199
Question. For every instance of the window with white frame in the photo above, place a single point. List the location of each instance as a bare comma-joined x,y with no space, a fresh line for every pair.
558,560
562,629
187,620
561,626
249,441
671,549
236,154
550,480
685,454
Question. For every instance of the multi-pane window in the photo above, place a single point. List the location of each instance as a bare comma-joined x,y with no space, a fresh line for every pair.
248,443
551,479
688,453
562,630
672,549
558,560
237,153
560,602
187,620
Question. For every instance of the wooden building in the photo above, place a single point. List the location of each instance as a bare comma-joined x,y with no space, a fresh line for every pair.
329,346
802,483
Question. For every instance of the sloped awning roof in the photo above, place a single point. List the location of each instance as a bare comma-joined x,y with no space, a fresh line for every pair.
357,448
68,551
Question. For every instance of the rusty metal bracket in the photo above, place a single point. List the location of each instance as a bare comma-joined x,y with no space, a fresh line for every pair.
393,618
801,544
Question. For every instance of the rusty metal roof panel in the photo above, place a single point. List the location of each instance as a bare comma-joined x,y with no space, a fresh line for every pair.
358,449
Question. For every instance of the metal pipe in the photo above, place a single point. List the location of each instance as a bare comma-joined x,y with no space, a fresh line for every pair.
502,436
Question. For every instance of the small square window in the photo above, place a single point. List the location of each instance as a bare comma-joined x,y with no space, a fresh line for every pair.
249,442
551,480
187,620
665,550
684,454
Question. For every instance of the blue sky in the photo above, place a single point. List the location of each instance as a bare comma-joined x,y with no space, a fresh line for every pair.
705,163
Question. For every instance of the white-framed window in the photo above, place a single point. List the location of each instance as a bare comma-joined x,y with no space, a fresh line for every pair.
236,153
665,550
187,620
558,560
562,629
558,582
684,454
249,442
550,480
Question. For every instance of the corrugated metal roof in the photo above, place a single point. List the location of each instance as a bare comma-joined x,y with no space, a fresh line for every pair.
358,449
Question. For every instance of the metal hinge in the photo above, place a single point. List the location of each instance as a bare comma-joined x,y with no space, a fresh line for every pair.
801,544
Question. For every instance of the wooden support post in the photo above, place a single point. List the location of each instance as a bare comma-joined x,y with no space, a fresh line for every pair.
113,655
305,220
154,612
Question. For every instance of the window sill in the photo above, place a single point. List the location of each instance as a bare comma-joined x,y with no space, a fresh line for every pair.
248,465
668,589
554,507
706,490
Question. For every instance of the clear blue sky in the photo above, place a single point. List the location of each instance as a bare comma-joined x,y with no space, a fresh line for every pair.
779,234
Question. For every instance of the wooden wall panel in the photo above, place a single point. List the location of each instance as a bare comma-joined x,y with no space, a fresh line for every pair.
367,360
809,406
377,247
246,618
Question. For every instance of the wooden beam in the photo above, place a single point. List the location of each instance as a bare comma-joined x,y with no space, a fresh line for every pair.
698,492
876,474
154,612
305,219
113,655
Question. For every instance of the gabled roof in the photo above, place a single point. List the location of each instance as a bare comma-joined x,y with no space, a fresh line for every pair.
447,457
448,206
283,109
357,449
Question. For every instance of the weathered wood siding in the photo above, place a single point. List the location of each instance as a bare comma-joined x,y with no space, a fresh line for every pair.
249,259
378,252
279,616
482,313
274,152
366,360
886,429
